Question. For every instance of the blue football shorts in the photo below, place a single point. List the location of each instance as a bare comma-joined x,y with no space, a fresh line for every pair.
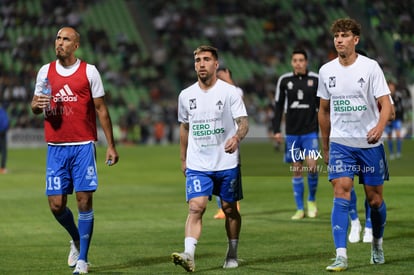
369,164
393,125
71,167
226,184
298,147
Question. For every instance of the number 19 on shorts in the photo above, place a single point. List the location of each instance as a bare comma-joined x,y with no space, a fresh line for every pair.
53,183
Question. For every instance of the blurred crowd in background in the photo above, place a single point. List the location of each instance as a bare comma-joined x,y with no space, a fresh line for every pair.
143,75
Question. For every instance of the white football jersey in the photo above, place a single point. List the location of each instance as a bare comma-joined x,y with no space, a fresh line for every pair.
211,116
352,91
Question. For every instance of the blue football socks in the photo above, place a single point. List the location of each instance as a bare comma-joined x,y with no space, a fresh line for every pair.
85,224
399,145
340,221
67,221
298,190
353,212
312,185
390,146
368,223
218,200
378,218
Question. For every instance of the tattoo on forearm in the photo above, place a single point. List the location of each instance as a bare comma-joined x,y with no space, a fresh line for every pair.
243,127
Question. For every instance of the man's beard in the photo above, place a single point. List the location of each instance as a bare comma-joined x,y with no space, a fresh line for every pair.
205,78
342,54
60,54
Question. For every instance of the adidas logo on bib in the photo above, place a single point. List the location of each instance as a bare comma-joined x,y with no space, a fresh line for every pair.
65,95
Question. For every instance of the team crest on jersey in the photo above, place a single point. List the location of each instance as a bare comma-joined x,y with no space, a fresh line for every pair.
219,104
310,82
193,103
332,81
361,82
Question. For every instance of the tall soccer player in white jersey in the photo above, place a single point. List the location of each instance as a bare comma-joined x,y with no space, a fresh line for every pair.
213,121
350,88
77,95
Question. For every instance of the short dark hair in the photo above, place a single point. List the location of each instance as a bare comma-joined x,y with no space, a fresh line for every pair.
300,51
205,48
346,24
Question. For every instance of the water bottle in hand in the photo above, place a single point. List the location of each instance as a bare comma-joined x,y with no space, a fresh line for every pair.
46,89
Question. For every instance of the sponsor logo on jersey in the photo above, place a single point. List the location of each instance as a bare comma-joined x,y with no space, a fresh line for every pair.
341,105
361,82
205,129
219,104
297,105
300,94
65,95
93,183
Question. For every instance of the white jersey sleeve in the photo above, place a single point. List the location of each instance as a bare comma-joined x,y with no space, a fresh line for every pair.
95,81
41,75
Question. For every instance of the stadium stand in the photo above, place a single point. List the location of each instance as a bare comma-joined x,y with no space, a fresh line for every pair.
142,48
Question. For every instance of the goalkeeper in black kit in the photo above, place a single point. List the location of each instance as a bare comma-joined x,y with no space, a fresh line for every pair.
296,101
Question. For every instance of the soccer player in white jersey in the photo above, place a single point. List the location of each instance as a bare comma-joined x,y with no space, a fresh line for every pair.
70,111
350,88
213,121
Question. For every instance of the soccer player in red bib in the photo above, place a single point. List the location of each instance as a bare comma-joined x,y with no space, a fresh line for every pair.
69,110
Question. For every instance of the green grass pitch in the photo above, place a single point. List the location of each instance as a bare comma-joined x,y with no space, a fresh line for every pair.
140,212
